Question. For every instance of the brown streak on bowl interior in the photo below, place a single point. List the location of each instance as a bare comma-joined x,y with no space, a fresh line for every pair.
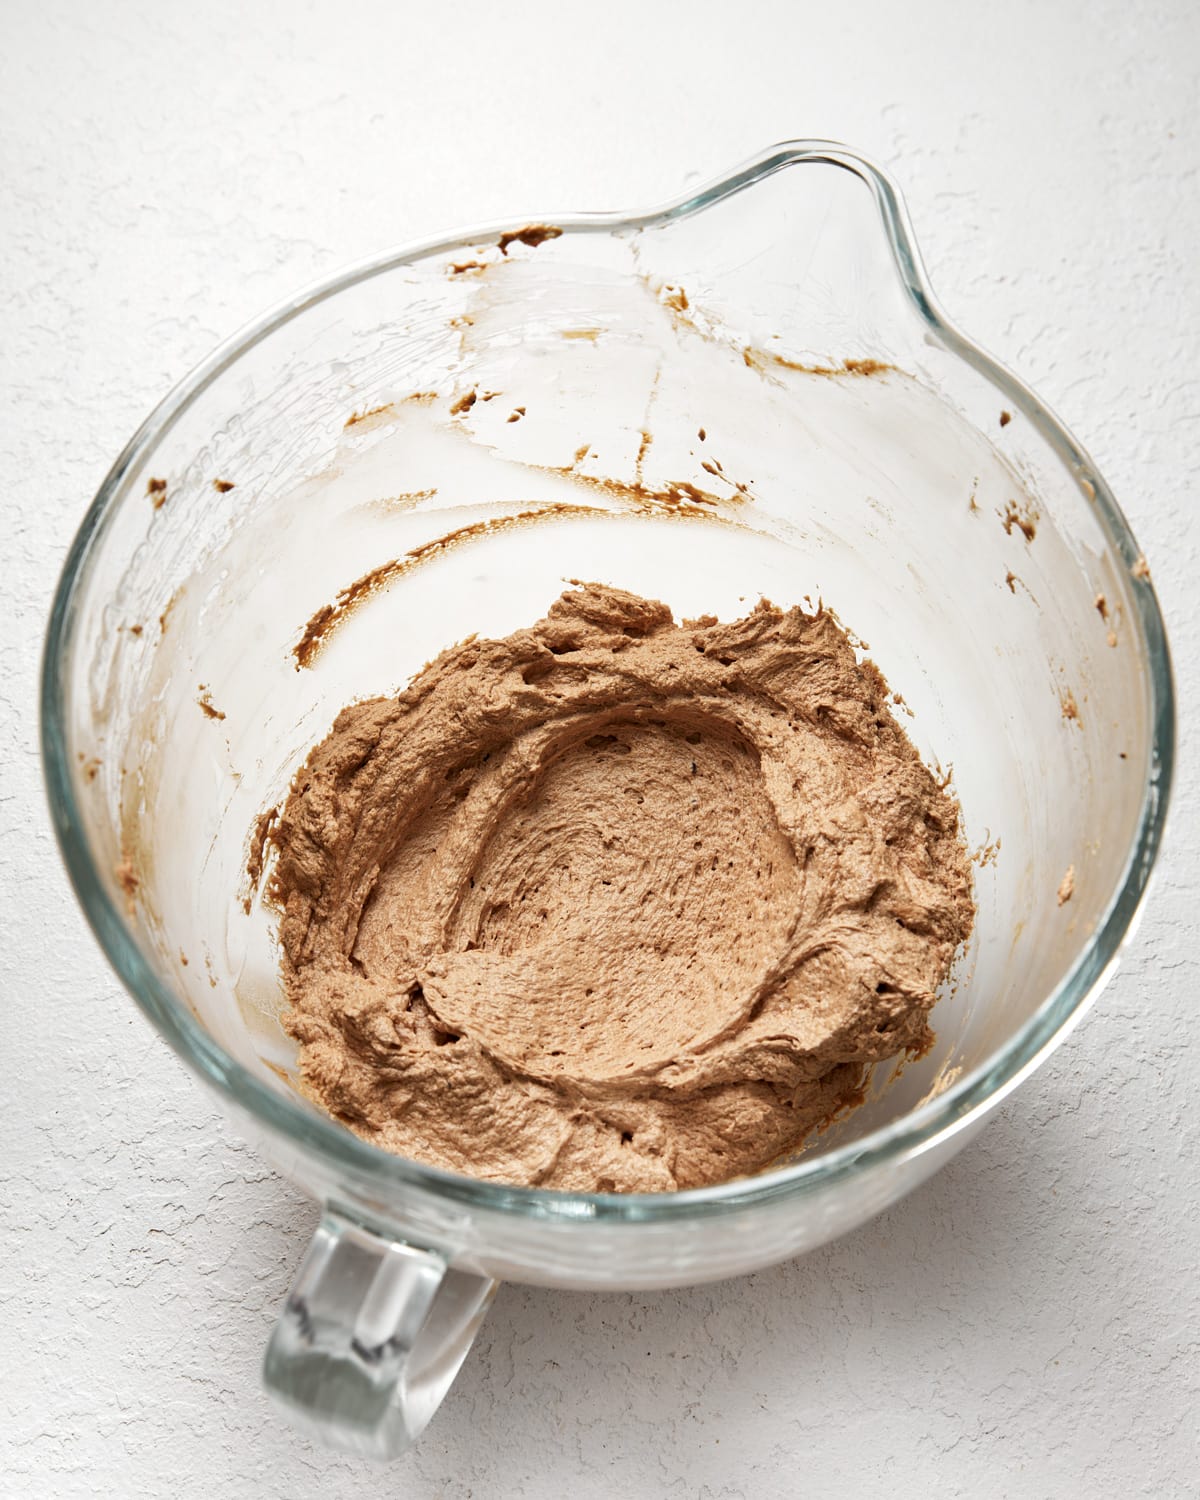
679,500
668,499
759,359
128,880
260,837
532,235
166,614
363,416
327,619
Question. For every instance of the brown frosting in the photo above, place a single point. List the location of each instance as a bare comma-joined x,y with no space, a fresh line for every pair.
616,904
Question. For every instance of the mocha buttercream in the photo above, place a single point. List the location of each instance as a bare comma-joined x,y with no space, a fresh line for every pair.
615,903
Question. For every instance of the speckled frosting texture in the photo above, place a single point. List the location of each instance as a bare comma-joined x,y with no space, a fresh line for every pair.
616,903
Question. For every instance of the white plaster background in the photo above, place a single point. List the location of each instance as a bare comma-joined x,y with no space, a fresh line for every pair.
1025,1325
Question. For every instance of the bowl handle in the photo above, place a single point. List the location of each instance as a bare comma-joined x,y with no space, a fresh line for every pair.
371,1335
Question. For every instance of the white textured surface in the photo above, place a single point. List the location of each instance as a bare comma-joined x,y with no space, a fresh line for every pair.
1026,1325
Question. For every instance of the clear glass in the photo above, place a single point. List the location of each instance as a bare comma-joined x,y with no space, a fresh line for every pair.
853,449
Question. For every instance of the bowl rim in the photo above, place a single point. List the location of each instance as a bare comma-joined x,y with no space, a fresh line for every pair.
913,1134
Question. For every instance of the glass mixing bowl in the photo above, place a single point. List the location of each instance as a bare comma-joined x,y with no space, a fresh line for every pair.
748,392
